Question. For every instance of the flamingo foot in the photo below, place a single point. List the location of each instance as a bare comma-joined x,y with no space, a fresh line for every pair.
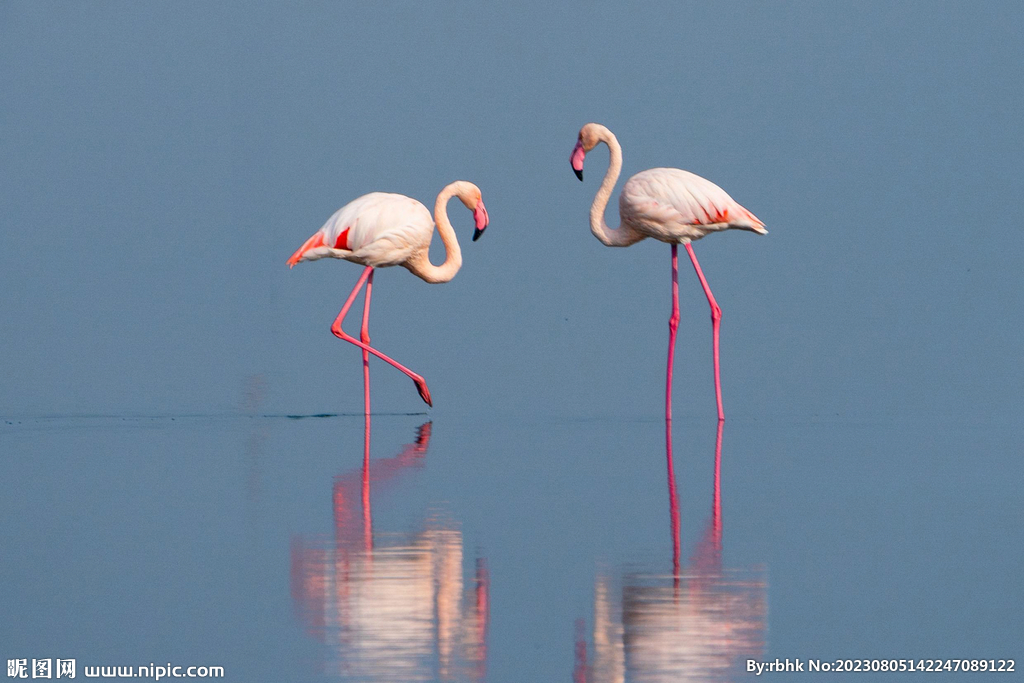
421,386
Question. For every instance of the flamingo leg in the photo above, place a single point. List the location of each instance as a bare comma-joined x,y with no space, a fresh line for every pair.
716,321
673,325
367,513
364,336
336,330
716,514
673,501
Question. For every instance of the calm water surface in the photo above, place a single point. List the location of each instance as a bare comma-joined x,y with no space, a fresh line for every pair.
491,549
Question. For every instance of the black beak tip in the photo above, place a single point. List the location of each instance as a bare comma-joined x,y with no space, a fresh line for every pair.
477,233
579,173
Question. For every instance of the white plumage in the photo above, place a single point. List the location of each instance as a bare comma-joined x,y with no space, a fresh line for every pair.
672,205
383,229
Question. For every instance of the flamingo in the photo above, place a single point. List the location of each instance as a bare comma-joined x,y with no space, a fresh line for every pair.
383,229
669,205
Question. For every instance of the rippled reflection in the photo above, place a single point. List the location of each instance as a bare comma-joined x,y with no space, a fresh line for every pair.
391,606
700,622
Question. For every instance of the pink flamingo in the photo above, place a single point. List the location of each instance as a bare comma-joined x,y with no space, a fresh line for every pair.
382,229
669,205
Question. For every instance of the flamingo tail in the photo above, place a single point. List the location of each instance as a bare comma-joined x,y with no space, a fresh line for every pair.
313,242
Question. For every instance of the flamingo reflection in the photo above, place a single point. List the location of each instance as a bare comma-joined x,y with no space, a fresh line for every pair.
702,623
391,606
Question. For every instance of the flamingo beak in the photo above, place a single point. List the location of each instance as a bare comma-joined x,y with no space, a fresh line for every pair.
576,159
480,216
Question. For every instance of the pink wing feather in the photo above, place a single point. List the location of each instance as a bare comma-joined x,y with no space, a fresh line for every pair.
669,197
378,229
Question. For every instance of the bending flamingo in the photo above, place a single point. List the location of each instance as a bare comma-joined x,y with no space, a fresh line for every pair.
669,205
382,229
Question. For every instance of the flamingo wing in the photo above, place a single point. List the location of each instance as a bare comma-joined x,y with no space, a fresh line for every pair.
378,229
670,197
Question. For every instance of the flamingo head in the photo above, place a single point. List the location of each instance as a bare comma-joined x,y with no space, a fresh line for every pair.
585,142
471,198
480,218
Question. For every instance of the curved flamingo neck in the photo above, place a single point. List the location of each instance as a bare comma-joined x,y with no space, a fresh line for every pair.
420,264
624,235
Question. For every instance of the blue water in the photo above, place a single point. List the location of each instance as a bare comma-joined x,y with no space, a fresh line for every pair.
182,440
500,547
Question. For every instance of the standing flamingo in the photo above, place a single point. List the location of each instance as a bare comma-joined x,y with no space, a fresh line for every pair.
670,205
382,229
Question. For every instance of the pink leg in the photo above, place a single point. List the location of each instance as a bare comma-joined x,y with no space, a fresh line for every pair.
364,336
673,325
716,514
367,514
716,321
673,501
421,385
